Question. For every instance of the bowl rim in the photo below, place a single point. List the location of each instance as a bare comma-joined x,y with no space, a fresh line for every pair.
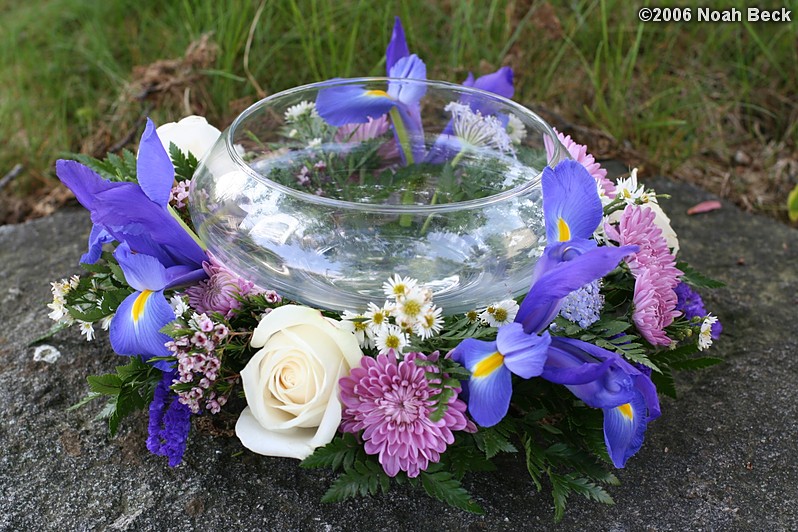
518,190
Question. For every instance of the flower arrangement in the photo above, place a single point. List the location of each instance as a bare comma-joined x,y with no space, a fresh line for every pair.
400,390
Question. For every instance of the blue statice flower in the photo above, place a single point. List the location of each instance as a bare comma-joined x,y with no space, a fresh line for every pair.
168,428
583,306
690,303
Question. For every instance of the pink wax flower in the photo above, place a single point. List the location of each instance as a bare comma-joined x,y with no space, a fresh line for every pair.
654,269
391,402
217,293
580,155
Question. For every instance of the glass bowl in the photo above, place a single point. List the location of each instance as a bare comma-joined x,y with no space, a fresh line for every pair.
323,192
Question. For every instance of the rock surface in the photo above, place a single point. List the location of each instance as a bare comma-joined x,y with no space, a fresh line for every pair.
722,457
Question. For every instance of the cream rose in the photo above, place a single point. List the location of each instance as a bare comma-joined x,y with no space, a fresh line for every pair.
662,221
291,384
192,134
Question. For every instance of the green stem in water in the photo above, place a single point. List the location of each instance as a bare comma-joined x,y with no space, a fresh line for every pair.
401,134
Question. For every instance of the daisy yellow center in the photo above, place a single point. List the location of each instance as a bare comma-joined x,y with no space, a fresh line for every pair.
500,314
392,342
626,410
378,318
488,365
412,308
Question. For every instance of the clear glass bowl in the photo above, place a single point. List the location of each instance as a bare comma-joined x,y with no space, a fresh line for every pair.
445,189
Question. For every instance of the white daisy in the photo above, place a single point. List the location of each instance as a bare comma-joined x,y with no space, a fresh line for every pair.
359,327
430,324
397,286
412,306
515,129
377,317
632,192
86,329
106,322
500,313
391,337
705,336
301,110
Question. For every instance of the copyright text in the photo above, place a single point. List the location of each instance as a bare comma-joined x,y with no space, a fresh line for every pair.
706,14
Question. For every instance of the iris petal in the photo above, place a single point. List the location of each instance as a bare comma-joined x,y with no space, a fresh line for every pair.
352,104
397,47
409,92
524,354
138,333
555,280
570,201
142,272
499,82
97,238
624,429
490,386
154,169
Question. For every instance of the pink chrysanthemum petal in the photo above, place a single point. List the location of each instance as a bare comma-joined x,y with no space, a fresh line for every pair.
391,402
654,269
579,154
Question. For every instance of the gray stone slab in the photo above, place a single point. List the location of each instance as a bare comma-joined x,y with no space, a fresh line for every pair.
722,457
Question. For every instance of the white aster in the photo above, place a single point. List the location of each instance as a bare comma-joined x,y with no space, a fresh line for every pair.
377,317
410,308
106,322
58,309
301,110
478,131
359,327
631,191
430,323
397,286
179,305
515,129
314,143
500,313
391,338
705,336
74,281
86,329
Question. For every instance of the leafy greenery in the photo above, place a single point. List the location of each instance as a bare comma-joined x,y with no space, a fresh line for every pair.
185,164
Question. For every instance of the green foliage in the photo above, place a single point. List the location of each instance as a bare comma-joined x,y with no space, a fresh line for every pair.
563,485
113,167
341,452
695,278
792,204
185,164
129,389
496,439
443,486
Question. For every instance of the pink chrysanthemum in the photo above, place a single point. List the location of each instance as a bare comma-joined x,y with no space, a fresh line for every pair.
391,402
654,269
218,292
580,155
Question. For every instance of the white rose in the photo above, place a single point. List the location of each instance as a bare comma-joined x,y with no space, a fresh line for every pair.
291,384
192,134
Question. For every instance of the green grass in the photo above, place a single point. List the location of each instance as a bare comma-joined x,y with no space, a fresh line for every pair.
672,90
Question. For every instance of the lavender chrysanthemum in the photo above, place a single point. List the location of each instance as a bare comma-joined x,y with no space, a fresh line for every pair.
690,303
654,270
168,430
391,402
583,306
218,292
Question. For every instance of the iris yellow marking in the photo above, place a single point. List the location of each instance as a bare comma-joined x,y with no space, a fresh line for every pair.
564,230
488,365
626,410
138,304
377,92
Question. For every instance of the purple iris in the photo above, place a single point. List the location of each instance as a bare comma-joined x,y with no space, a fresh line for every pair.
690,303
134,213
354,104
155,252
572,212
135,328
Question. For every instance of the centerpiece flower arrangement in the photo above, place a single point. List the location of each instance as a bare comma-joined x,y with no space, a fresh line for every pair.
400,389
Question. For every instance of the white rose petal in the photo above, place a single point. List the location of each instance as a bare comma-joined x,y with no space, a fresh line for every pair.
291,383
662,221
192,134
